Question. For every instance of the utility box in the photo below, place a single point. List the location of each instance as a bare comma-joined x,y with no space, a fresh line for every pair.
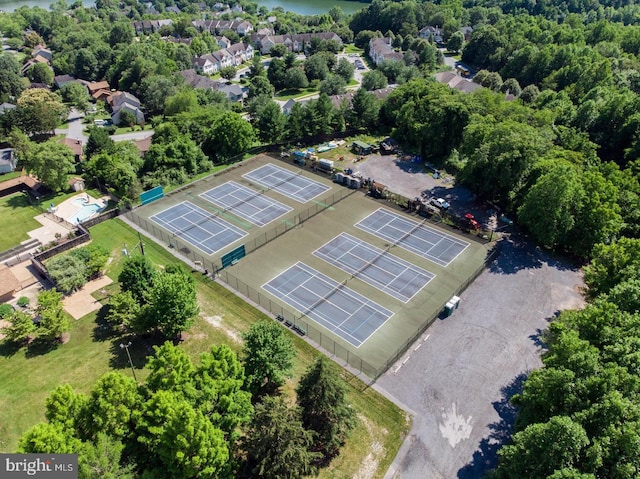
455,300
448,309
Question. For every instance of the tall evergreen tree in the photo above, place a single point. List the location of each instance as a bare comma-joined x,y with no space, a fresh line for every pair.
325,410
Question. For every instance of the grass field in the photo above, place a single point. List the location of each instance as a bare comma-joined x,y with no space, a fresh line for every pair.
26,380
19,213
16,211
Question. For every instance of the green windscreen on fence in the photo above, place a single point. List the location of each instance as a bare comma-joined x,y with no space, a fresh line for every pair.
233,257
151,195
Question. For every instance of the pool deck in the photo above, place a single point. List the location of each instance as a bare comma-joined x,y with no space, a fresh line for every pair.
67,209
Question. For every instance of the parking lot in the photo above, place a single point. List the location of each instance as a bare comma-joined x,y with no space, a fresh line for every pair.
458,377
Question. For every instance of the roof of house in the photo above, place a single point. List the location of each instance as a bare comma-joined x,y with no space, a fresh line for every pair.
232,90
361,144
8,282
6,106
120,97
192,78
62,80
6,156
98,85
456,82
143,144
75,145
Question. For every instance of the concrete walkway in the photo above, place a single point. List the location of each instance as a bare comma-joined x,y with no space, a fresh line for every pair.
81,302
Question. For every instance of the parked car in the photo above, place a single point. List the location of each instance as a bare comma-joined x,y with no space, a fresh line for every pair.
440,203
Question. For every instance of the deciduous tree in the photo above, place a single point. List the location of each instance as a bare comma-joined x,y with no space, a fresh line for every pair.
172,305
53,320
137,276
40,111
374,80
20,328
268,357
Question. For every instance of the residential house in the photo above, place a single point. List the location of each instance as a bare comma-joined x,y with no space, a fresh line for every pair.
61,80
214,62
433,34
150,26
294,43
143,145
151,8
339,100
220,6
206,64
75,146
5,107
272,19
456,82
237,8
122,101
380,50
216,27
223,42
194,80
40,51
34,61
9,284
288,106
99,90
8,160
264,32
467,31
173,9
233,92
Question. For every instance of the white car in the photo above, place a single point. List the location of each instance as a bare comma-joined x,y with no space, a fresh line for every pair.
440,203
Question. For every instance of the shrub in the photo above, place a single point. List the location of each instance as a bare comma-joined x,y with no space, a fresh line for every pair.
23,301
6,310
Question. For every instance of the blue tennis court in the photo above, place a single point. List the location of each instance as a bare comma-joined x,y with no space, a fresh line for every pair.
198,227
288,183
375,266
413,236
331,304
246,203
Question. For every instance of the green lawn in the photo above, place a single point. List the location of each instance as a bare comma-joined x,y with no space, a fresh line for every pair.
128,129
288,94
16,211
26,381
10,176
351,48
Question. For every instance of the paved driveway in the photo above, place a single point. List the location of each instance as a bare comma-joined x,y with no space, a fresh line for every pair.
458,376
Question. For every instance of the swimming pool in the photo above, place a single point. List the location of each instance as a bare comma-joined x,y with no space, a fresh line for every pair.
85,213
79,201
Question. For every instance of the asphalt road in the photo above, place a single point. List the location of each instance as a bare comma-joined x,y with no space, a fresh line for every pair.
457,378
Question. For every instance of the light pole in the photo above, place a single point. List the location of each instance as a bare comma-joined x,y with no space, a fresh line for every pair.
126,347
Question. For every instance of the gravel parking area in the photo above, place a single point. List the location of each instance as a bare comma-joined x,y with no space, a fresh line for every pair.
458,377
412,179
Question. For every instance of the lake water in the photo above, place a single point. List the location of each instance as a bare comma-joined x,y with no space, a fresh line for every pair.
303,7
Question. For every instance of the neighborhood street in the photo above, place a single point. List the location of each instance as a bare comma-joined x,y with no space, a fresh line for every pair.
75,130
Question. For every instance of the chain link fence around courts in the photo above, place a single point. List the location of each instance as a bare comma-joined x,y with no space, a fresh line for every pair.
213,264
301,324
304,326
